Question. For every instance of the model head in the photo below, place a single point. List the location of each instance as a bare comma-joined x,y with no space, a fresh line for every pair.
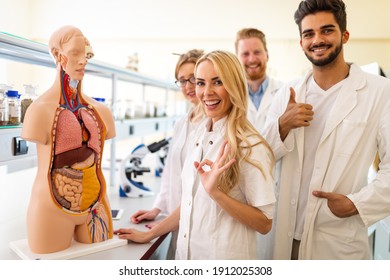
184,74
221,85
70,49
251,50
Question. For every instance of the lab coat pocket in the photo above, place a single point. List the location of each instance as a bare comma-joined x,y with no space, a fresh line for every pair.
339,238
328,222
348,136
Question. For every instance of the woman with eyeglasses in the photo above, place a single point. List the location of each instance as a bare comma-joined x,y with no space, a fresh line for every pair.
227,182
168,199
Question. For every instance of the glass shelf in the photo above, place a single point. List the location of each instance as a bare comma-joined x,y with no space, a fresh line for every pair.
23,50
27,51
10,126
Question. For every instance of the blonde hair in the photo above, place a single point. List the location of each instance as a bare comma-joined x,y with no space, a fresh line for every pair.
239,130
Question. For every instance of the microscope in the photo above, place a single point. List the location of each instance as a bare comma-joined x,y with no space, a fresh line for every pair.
131,167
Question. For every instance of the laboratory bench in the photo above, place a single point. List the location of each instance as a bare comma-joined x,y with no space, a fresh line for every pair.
16,188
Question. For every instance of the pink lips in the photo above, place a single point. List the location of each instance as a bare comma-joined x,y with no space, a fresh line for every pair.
191,94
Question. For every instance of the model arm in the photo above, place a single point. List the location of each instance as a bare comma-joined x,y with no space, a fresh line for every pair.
170,223
107,118
244,213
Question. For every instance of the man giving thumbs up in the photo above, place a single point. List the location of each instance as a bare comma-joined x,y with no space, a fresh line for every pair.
325,204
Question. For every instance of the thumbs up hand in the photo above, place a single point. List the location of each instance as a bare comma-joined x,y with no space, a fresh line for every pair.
296,115
292,96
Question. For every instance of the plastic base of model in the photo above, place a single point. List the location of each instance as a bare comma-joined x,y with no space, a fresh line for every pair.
76,249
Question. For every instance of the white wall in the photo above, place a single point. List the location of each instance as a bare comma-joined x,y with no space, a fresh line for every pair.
156,28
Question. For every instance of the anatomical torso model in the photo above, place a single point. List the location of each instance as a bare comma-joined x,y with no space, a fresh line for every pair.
69,197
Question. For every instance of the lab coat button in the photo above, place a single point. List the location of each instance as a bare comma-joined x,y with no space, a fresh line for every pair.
211,142
185,235
292,201
189,203
197,144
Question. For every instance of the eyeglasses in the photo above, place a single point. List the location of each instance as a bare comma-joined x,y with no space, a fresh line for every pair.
183,82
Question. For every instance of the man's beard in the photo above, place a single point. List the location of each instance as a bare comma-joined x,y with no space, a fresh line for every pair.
327,60
255,76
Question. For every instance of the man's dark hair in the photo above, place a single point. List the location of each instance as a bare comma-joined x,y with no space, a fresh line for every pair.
336,7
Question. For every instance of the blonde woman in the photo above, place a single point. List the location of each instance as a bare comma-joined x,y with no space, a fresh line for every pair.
227,194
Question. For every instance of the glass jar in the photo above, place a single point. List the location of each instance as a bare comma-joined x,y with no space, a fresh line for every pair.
4,109
27,98
119,109
15,111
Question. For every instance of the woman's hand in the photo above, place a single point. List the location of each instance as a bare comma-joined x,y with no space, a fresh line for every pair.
142,215
134,235
210,177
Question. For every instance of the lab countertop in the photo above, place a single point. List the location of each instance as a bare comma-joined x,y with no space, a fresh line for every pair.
14,201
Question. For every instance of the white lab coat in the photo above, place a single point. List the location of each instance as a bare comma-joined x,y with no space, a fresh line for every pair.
258,117
169,197
206,231
358,126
